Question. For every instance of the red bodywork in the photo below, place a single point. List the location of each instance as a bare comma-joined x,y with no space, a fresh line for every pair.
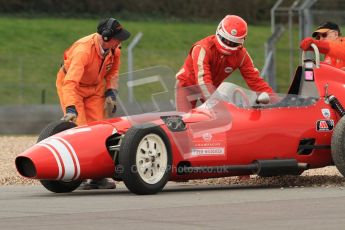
238,136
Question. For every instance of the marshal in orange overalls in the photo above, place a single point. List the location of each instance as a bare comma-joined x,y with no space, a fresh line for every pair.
86,73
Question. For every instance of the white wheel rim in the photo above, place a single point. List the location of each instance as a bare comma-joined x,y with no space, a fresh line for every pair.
151,158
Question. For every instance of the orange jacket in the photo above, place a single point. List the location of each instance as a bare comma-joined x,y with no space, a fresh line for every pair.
205,65
336,54
86,66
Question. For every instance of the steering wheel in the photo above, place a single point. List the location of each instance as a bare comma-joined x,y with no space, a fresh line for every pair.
243,96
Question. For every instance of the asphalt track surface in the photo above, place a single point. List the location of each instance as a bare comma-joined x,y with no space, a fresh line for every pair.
179,206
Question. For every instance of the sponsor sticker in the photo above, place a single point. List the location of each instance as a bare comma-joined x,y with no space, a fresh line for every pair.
309,75
324,125
207,151
326,113
207,137
208,143
228,69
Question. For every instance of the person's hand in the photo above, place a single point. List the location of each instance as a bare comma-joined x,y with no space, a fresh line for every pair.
305,44
110,102
71,114
110,106
322,45
263,98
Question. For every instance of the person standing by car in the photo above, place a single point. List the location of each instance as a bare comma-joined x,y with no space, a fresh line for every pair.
212,59
327,37
87,81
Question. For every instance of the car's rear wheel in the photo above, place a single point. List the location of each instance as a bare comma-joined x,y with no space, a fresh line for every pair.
338,146
53,185
145,156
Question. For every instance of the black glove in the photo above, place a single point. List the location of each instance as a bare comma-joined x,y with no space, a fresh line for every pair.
71,114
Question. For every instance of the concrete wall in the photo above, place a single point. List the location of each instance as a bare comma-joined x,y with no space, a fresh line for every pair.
27,119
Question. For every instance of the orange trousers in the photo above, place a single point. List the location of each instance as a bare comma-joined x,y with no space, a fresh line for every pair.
90,101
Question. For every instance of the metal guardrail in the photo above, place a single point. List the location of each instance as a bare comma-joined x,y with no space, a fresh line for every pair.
269,69
130,48
287,10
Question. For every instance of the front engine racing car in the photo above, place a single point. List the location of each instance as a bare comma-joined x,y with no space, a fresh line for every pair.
230,134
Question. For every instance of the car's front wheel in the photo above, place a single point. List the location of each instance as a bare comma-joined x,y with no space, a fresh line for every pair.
53,185
60,186
145,157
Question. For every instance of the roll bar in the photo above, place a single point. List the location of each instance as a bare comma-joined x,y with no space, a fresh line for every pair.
317,55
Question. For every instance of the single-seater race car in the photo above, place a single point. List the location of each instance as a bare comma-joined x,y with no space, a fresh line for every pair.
230,134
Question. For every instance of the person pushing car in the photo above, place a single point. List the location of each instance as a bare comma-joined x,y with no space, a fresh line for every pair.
327,37
212,59
87,81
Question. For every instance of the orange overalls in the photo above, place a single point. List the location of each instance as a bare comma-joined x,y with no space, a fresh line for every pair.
85,75
336,54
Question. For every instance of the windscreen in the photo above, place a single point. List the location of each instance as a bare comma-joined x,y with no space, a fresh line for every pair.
197,116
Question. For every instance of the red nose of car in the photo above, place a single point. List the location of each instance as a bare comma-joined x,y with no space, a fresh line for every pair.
67,156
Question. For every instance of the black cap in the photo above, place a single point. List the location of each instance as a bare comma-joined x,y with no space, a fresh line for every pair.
112,27
325,27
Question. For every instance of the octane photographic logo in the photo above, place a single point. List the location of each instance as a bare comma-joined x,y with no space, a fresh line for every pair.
201,133
119,169
207,137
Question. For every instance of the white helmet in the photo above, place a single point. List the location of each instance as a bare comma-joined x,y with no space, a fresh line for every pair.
231,33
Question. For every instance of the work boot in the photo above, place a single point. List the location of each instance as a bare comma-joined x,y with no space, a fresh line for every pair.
105,184
97,184
88,185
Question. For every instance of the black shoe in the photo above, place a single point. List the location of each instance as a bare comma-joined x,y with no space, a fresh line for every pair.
105,184
87,185
97,184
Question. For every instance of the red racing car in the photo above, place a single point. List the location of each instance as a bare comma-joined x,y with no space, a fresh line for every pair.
230,134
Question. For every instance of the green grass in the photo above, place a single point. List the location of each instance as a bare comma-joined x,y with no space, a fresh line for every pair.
31,51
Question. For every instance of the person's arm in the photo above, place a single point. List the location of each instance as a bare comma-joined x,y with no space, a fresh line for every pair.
323,46
112,77
252,76
74,74
202,69
337,50
331,49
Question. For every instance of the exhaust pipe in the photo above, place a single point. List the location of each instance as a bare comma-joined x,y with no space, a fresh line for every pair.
260,167
26,167
277,167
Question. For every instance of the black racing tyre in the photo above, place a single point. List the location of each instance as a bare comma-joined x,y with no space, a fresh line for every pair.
54,128
60,186
338,146
53,185
146,159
